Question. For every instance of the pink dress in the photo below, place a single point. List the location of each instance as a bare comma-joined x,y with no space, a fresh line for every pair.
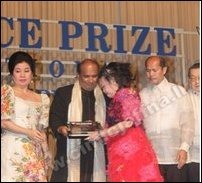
130,154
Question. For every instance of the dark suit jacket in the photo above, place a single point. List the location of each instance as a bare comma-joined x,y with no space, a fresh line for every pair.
58,116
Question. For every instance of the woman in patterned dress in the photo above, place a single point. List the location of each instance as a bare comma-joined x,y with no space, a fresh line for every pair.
24,115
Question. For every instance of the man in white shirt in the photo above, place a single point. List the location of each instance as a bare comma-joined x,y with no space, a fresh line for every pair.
168,120
194,90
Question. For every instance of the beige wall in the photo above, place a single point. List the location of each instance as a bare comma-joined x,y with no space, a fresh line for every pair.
183,15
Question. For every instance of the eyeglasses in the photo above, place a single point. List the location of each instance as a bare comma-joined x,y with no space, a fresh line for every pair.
194,79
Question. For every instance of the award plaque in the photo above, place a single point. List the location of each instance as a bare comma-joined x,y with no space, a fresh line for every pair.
82,129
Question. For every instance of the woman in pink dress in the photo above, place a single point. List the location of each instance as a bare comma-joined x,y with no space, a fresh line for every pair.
130,154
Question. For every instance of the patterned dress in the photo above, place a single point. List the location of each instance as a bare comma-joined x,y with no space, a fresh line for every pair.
130,155
22,160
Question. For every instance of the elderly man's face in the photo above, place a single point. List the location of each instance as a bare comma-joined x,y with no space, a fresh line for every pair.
194,78
88,76
155,73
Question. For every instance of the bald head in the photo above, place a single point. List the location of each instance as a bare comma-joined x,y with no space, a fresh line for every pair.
161,61
85,63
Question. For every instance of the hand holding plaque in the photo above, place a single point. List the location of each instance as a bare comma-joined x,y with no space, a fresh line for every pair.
82,129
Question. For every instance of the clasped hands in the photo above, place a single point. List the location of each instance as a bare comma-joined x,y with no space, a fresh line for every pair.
36,135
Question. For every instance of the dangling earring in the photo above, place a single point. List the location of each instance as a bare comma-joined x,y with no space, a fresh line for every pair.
10,80
32,81
31,84
31,87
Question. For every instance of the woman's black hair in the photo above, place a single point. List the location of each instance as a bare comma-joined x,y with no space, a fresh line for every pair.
120,72
19,57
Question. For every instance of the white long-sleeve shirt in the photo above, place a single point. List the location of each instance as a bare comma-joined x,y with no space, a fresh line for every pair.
168,119
195,147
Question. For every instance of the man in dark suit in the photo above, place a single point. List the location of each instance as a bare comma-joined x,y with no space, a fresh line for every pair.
77,159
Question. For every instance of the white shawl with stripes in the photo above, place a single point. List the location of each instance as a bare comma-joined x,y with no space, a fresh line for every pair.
73,145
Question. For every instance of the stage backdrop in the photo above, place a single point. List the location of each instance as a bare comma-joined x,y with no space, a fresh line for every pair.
61,34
